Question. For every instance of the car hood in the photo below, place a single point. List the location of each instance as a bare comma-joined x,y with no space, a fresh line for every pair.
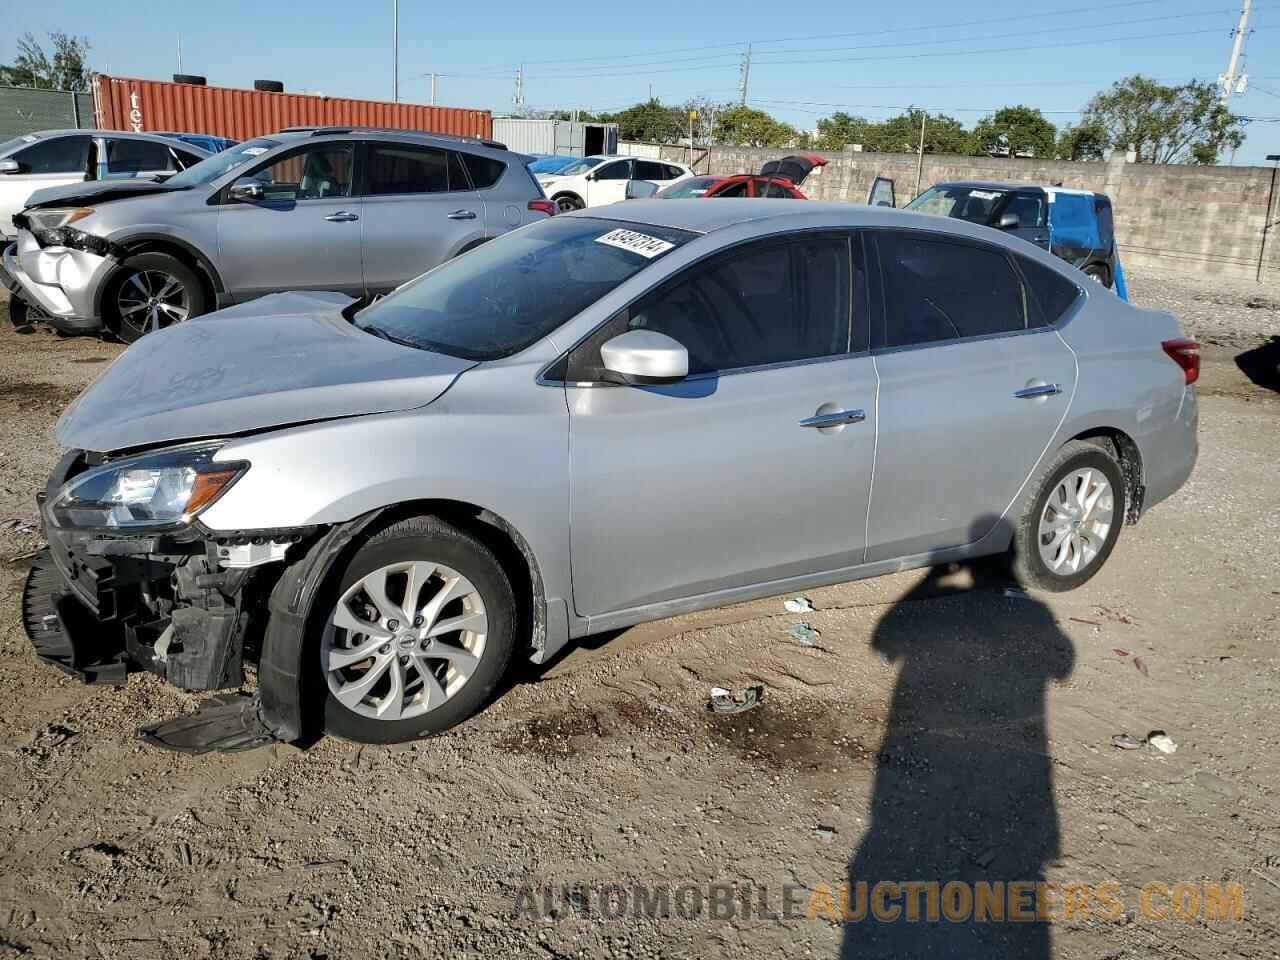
285,359
97,191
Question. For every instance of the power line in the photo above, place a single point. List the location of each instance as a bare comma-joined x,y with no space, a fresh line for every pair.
914,106
1074,13
908,56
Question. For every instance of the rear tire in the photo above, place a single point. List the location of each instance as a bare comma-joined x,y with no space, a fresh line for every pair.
152,291
383,696
1074,519
569,202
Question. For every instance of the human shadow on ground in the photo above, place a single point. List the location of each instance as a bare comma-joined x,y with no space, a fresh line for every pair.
963,792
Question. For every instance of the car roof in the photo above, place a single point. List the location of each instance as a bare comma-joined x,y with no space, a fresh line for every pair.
95,132
445,140
991,185
696,216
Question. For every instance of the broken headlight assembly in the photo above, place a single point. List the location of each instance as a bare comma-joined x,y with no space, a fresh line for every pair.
162,490
52,227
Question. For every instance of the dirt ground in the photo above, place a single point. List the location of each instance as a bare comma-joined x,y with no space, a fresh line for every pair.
938,727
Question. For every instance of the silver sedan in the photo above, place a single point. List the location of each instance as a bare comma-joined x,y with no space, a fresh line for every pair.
596,420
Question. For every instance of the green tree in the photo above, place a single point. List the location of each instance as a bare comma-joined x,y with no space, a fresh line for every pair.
651,122
749,127
841,129
1016,132
67,68
1086,141
901,134
1182,124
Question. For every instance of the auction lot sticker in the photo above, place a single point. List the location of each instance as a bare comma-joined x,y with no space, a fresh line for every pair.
641,243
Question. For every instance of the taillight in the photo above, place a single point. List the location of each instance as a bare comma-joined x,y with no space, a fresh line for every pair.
1186,354
543,206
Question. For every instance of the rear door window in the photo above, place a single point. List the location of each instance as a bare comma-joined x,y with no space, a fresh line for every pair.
127,157
399,169
484,171
1052,294
649,170
55,155
738,189
938,289
1029,208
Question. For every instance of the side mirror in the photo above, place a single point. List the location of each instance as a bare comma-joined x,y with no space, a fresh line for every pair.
640,189
10,166
644,357
245,192
1009,221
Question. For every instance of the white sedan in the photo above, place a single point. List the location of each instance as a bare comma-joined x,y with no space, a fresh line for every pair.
595,181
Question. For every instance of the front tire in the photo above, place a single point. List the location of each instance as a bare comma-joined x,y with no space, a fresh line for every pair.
419,632
153,291
1074,519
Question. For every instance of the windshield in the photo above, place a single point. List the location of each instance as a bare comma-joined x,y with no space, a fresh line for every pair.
963,203
511,292
697,187
579,168
211,168
552,164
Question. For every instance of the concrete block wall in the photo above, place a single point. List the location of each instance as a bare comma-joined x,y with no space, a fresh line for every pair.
1200,220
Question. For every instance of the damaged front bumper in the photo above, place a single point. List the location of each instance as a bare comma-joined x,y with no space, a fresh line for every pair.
181,603
63,281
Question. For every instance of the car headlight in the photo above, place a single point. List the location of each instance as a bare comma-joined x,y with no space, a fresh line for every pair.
166,489
47,218
52,228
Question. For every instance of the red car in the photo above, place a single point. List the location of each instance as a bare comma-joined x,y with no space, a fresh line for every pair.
777,178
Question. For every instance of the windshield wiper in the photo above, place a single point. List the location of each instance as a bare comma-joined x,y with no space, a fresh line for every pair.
383,334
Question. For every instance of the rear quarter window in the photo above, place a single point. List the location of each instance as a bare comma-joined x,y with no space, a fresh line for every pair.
1052,294
484,171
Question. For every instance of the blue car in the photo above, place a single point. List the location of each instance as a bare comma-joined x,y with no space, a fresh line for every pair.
547,164
203,140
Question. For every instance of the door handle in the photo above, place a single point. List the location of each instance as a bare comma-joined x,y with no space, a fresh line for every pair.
1041,390
839,418
462,215
342,216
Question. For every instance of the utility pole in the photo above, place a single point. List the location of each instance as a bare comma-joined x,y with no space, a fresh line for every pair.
433,88
179,53
920,158
745,72
1235,80
395,51
518,99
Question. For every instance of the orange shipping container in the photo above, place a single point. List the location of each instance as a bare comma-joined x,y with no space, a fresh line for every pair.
121,103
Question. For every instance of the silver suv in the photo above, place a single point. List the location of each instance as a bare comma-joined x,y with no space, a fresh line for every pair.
353,211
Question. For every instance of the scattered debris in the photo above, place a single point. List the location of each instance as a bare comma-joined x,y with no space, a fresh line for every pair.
725,702
664,708
1126,742
1092,623
825,834
1119,653
1141,665
798,605
1162,741
1016,593
985,858
20,525
804,633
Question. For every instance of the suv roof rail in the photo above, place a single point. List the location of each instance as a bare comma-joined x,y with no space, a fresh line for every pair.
326,131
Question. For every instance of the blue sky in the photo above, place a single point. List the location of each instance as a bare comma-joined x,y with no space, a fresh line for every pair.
808,61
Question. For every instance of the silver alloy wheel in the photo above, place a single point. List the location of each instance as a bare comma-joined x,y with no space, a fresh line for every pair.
151,299
1076,521
403,639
